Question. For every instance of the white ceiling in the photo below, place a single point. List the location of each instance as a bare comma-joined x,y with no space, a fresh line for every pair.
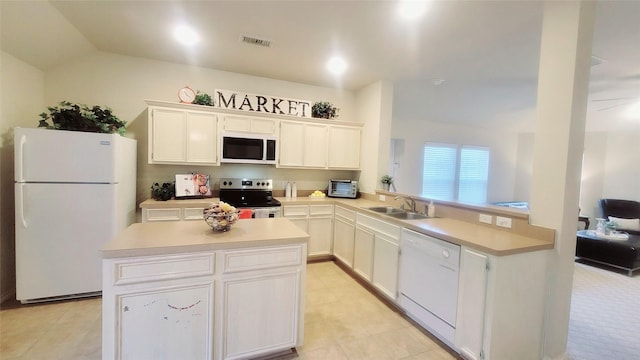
487,51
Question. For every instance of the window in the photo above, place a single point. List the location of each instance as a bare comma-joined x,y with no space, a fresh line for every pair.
454,172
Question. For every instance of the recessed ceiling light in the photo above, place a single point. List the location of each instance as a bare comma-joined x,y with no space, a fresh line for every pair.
186,35
337,65
411,9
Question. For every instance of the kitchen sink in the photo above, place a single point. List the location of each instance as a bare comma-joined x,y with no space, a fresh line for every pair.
386,210
408,215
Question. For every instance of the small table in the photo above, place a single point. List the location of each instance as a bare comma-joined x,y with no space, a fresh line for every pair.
621,254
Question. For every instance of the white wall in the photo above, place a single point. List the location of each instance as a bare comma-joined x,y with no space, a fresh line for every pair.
123,83
374,106
609,168
621,166
414,133
22,90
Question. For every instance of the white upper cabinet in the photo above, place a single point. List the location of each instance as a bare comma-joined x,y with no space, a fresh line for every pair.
303,145
251,125
182,137
312,145
344,147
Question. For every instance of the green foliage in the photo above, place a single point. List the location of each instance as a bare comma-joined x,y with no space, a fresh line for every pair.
203,99
386,179
80,117
324,110
163,192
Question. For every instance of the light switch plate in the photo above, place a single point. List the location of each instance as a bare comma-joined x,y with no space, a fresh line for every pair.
382,197
487,219
503,222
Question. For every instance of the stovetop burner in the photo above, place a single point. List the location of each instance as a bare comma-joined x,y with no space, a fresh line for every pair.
253,193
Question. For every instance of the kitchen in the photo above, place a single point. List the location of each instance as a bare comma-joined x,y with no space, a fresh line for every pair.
371,105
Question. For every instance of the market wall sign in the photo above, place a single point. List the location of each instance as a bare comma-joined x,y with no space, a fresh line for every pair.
234,100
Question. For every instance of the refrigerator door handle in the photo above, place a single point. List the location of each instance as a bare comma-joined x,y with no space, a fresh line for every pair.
20,159
20,204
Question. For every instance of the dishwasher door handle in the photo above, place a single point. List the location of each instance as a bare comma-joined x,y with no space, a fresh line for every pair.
448,268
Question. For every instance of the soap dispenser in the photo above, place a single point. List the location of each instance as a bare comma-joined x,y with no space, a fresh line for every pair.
431,209
287,191
294,190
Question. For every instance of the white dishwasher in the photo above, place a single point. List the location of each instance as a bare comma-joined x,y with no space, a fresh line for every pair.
428,282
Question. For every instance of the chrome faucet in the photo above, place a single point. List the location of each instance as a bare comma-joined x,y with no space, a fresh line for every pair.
407,200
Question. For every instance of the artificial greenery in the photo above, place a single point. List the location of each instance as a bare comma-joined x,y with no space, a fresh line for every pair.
80,117
386,179
163,192
324,110
203,99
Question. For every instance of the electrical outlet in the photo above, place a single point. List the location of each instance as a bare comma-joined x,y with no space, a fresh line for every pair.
487,219
382,197
503,222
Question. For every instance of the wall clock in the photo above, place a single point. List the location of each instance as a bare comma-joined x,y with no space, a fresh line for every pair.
186,95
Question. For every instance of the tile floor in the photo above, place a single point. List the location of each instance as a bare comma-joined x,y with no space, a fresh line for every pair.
343,321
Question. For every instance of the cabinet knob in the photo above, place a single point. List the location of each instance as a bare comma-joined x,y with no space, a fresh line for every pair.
445,254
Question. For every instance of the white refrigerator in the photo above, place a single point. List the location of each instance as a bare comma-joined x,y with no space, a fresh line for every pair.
74,191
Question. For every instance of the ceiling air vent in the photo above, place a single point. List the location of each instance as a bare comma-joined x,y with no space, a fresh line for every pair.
255,41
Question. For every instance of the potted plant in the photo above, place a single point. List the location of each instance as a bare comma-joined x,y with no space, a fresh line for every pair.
203,99
386,181
80,117
324,110
163,192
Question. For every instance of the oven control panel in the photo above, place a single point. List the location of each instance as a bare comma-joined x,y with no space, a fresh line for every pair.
246,184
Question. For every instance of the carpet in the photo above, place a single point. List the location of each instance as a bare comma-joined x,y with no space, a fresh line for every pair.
605,314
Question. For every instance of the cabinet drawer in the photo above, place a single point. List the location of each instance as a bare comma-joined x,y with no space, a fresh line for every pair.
164,268
264,258
296,210
169,214
380,226
193,213
346,214
321,210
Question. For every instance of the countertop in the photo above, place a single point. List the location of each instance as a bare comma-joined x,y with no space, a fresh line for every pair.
159,238
478,236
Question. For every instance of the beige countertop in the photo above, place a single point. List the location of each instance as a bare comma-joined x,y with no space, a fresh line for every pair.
159,238
484,238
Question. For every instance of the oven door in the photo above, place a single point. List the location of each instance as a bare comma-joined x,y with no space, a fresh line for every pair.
271,212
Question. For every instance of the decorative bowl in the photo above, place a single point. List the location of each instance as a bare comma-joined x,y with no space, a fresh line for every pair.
220,216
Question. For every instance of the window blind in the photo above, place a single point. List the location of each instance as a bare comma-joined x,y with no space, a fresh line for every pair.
474,174
439,171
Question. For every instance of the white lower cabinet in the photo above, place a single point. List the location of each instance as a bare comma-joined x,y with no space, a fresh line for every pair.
363,252
472,296
344,232
385,265
232,304
376,252
171,323
258,314
317,221
172,214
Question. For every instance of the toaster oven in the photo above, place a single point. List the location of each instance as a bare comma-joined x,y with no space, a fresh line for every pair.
343,189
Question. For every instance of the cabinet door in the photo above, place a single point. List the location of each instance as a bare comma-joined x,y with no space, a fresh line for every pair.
260,315
363,253
174,323
291,144
320,235
168,135
385,265
472,291
343,240
249,124
344,147
201,138
315,145
299,222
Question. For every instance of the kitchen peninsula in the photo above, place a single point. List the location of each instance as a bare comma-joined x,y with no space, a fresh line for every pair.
179,290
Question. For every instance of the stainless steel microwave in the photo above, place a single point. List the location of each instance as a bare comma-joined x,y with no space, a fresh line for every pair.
248,148
343,188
